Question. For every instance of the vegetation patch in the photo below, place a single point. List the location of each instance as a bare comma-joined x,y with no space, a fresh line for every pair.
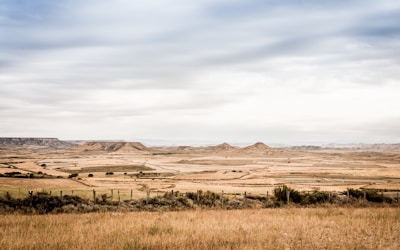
17,174
370,195
216,162
113,168
43,202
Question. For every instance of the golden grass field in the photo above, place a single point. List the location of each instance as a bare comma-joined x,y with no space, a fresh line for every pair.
284,228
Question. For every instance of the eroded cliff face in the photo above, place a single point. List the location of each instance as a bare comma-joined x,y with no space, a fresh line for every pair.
40,142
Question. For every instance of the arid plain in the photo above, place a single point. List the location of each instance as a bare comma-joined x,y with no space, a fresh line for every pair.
254,169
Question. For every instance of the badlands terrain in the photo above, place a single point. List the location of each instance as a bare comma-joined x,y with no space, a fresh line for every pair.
132,169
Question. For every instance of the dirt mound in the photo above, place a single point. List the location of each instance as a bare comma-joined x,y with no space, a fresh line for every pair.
130,147
111,147
221,147
259,146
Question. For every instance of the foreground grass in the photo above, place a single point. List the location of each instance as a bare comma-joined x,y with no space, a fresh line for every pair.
284,228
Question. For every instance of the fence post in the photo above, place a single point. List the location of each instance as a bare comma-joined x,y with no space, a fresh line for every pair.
198,196
50,192
61,194
222,198
245,196
267,196
147,197
94,196
72,192
287,196
112,194
119,197
131,193
365,195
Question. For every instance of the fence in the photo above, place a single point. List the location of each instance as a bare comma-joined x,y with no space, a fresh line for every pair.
130,194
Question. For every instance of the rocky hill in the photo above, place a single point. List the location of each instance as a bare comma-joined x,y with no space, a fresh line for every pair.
221,147
37,142
259,146
111,147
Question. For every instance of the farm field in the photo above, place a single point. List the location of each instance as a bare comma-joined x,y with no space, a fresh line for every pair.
283,228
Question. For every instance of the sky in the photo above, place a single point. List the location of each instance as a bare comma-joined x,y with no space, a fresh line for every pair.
201,72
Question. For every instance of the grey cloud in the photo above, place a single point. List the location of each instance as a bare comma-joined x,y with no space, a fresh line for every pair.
382,26
57,58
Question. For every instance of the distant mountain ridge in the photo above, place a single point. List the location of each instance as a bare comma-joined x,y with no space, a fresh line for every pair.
119,146
34,141
377,147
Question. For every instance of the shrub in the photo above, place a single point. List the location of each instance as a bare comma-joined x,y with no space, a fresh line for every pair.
73,175
42,193
90,175
12,173
109,173
371,195
207,198
8,196
280,194
316,197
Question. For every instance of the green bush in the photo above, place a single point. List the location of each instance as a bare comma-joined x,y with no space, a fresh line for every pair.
280,194
315,197
371,195
207,198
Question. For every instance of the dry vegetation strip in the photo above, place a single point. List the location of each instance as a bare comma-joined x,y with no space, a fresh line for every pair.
115,168
288,228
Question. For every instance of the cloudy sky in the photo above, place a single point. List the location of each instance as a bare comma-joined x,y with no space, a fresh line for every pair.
202,71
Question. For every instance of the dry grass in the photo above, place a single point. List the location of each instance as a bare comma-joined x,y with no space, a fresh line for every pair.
288,228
